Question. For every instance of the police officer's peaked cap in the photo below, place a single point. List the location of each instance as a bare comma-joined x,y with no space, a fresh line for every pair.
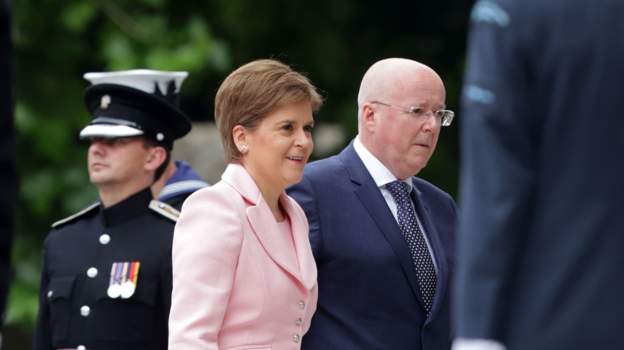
135,102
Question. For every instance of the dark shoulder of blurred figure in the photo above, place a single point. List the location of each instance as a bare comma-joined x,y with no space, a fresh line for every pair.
106,277
8,172
540,262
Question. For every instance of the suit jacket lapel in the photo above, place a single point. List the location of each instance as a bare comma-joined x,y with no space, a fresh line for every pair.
300,231
266,229
422,210
372,199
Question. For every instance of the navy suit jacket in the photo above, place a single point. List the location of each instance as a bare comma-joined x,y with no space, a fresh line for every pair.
541,235
368,292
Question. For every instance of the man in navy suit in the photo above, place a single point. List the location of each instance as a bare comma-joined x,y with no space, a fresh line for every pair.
541,235
382,238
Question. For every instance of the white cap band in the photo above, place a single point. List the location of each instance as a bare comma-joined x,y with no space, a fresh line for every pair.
109,131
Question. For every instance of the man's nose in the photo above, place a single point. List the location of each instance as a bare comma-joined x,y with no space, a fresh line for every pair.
430,120
97,146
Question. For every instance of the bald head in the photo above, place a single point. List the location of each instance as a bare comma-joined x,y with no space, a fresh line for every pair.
385,78
389,90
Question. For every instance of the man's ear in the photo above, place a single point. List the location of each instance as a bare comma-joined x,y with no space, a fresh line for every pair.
369,117
155,157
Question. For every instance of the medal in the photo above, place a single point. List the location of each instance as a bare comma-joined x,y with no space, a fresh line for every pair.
114,285
127,289
123,280
129,285
114,291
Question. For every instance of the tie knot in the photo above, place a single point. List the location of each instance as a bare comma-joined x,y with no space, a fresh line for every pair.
398,189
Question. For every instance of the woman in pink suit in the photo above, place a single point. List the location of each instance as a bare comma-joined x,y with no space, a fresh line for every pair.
244,275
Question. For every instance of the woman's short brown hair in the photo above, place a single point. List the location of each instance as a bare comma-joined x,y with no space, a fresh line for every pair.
253,91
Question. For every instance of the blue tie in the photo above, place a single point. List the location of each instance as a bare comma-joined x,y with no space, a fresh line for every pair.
423,263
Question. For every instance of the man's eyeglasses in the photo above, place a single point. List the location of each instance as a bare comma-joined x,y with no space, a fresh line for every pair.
442,116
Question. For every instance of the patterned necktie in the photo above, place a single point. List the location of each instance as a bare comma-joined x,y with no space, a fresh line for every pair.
423,263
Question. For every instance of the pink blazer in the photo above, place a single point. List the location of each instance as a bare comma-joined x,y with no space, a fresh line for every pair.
232,289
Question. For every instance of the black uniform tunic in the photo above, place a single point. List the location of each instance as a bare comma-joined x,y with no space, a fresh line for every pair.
75,310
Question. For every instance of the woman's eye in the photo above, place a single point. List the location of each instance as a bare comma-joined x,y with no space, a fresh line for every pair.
308,128
287,127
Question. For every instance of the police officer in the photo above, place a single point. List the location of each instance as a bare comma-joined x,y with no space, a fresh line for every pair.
178,182
539,252
106,278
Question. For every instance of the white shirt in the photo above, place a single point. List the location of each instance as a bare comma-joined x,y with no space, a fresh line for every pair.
382,176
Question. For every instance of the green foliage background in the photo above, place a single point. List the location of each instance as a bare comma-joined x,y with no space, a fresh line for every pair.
333,41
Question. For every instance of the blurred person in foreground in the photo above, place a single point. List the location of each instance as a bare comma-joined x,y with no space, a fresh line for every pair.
383,238
540,262
243,272
8,171
106,279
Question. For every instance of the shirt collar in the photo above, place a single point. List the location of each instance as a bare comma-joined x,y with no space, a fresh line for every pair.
381,175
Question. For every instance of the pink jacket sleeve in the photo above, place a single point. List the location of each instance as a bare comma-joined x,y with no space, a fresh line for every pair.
206,245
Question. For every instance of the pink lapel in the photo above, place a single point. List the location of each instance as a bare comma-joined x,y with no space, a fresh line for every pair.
265,227
300,231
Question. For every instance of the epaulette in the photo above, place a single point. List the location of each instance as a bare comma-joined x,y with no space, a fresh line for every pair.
165,210
75,216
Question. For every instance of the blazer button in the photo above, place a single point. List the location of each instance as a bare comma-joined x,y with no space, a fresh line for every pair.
301,304
92,272
81,347
85,311
296,338
105,239
50,294
298,322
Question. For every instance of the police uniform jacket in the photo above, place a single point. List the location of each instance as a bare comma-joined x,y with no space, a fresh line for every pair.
75,309
541,232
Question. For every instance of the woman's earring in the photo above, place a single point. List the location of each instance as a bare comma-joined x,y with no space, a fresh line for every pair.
243,149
